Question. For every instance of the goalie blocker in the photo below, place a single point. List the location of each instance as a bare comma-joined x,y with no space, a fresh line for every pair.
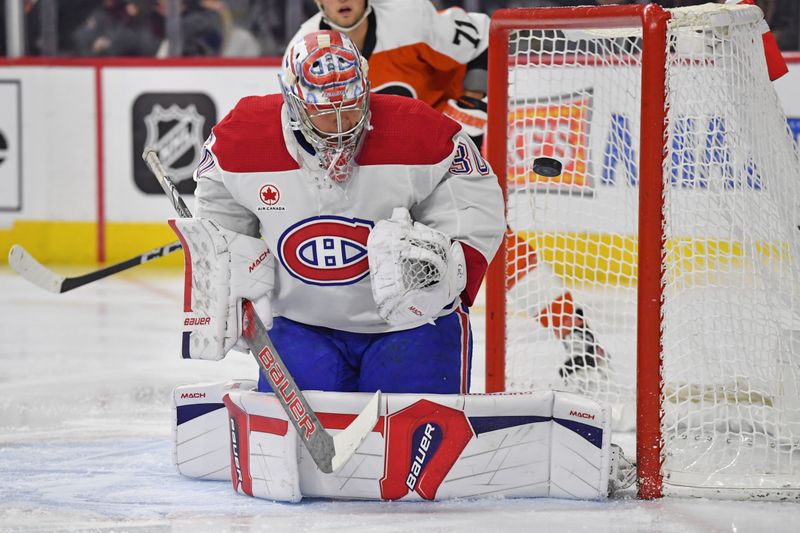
433,447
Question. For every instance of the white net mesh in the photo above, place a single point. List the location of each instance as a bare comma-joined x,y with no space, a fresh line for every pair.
574,99
731,321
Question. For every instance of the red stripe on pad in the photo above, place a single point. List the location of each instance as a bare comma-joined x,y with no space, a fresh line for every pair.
187,268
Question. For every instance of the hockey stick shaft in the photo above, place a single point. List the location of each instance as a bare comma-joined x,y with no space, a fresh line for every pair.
328,452
27,266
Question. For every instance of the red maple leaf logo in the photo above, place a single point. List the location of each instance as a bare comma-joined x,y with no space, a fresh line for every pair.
270,194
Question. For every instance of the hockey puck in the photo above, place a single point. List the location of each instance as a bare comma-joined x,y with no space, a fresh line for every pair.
547,167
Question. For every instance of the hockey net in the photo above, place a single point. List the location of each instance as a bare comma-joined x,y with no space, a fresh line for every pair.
671,229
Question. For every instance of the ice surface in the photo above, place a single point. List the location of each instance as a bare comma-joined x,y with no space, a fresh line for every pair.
85,381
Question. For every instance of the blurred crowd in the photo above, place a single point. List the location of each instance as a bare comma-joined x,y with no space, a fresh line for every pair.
241,28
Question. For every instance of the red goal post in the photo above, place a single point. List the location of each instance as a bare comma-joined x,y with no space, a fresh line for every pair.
663,161
654,19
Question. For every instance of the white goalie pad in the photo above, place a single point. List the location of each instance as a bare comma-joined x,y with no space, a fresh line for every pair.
431,447
200,434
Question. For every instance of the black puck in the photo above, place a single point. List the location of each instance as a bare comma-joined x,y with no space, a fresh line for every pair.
547,167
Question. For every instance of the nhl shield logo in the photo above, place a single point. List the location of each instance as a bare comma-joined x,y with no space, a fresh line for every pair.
177,135
176,125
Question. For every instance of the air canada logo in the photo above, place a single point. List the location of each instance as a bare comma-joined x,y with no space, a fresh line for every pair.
270,196
176,125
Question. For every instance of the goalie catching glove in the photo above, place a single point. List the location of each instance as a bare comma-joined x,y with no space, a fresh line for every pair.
415,270
222,268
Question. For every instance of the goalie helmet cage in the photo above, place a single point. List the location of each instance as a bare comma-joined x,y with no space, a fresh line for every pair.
672,225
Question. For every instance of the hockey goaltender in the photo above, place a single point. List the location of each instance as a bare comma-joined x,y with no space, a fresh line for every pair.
360,226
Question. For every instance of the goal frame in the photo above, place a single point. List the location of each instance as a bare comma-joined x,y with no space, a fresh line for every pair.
653,20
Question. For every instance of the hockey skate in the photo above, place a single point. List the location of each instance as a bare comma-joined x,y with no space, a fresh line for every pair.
623,470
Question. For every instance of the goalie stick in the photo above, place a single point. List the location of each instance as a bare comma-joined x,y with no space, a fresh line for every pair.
24,264
328,452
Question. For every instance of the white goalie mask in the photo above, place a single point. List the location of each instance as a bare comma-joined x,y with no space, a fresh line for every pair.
325,87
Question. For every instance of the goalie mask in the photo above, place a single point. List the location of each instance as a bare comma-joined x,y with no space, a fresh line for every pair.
325,87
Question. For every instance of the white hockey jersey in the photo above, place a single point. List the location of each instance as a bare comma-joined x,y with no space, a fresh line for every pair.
414,50
260,177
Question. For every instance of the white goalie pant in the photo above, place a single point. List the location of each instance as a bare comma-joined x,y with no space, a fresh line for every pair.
538,444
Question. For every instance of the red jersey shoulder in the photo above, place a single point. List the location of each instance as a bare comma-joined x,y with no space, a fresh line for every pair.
250,137
406,131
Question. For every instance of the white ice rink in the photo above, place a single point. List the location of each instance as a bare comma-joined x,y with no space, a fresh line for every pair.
85,381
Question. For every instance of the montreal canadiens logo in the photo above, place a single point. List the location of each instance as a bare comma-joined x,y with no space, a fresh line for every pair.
319,70
269,194
326,250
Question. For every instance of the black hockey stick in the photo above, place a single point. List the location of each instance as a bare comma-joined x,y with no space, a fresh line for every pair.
24,264
328,452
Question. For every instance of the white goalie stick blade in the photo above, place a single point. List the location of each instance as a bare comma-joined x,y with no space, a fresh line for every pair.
347,441
29,268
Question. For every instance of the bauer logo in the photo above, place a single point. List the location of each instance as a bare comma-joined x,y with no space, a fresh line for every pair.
423,443
326,250
555,127
282,385
236,464
176,125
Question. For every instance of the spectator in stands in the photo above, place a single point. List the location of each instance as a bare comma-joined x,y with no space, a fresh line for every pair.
209,28
201,30
273,23
237,41
269,25
69,20
117,28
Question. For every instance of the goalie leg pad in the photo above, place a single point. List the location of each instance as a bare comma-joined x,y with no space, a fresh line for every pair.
200,436
263,448
433,447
